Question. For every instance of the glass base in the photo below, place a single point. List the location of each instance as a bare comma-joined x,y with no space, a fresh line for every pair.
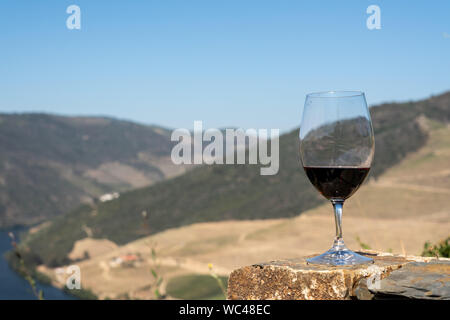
339,255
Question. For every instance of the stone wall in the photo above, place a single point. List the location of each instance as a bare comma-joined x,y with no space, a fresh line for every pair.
389,277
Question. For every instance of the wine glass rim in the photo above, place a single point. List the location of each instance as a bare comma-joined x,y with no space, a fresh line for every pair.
335,94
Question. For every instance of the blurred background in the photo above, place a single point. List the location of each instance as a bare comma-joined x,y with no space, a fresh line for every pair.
91,96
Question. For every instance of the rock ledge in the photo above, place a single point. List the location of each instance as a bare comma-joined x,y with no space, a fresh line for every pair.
389,277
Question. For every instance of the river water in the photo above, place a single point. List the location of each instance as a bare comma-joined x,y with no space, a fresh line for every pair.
12,286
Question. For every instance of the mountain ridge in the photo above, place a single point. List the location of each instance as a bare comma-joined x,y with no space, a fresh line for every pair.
218,192
49,164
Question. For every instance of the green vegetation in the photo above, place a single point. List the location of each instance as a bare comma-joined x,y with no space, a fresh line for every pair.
362,244
441,249
155,270
221,282
17,263
223,192
195,287
82,294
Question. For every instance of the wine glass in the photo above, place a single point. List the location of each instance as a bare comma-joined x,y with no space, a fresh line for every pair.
336,148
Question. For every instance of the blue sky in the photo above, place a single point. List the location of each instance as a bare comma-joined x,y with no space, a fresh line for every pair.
229,63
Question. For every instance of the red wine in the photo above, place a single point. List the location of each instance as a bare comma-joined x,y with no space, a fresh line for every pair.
336,182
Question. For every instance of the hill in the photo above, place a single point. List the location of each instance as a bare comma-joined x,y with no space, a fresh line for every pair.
51,164
405,207
218,192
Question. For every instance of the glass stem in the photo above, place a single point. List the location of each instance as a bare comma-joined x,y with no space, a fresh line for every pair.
337,205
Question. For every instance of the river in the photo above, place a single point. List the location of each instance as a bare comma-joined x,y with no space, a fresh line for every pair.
12,286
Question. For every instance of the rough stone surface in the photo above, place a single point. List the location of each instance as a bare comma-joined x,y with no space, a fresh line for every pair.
416,280
294,279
